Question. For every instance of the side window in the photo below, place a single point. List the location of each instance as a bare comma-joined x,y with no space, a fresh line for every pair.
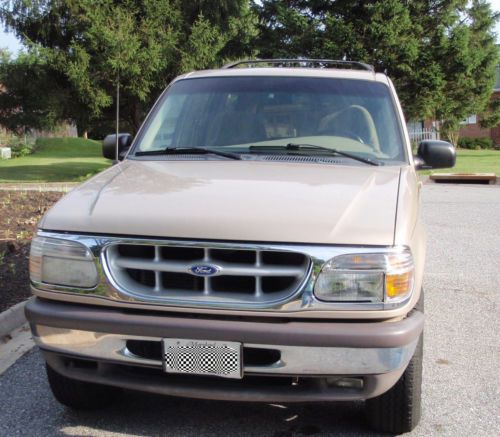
384,115
160,133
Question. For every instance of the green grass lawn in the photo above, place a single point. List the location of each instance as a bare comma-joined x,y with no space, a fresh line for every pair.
56,160
473,161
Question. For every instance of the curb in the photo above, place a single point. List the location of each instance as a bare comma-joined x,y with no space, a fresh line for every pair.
62,187
12,318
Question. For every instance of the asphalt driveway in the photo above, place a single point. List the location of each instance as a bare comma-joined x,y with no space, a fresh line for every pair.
461,377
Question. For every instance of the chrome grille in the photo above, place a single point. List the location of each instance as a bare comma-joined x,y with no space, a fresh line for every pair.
171,273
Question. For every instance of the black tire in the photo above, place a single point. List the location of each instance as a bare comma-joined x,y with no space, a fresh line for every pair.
399,409
80,395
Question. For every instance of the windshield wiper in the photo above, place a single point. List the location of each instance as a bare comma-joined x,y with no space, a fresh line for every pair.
181,150
292,146
299,147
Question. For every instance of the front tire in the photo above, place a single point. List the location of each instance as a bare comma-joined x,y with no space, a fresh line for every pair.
80,395
399,409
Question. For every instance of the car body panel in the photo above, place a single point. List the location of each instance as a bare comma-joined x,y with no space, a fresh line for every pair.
235,200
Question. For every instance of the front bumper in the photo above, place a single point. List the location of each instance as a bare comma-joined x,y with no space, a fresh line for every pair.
317,358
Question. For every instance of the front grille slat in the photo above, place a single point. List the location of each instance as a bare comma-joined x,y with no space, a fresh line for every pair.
228,269
163,272
160,265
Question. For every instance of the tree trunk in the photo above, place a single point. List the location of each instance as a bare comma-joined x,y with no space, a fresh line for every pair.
137,117
81,130
453,137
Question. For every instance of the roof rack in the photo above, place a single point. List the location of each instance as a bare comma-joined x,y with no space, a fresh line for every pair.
303,63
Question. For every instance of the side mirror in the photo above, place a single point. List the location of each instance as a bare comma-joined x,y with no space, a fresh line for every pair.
435,154
109,146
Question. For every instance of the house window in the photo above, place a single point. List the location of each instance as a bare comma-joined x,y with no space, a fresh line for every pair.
415,126
471,119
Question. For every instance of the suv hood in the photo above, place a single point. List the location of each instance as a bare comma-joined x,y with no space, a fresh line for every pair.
235,200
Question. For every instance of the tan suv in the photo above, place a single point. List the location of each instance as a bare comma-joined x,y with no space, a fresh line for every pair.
259,240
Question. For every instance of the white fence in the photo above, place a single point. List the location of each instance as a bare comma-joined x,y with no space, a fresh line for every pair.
423,134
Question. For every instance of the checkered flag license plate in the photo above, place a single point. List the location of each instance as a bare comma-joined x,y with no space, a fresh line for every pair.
200,357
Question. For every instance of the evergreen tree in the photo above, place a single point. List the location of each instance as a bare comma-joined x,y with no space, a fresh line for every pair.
469,59
441,55
31,97
139,45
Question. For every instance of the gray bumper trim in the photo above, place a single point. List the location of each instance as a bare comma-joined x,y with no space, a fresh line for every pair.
295,360
366,334
245,390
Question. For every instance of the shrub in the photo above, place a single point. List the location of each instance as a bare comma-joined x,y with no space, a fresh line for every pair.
20,148
475,143
19,145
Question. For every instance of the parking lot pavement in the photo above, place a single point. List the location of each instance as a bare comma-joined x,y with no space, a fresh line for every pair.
461,378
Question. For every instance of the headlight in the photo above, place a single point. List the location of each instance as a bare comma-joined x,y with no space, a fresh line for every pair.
62,262
366,277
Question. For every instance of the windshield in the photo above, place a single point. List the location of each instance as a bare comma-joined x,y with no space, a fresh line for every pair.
265,114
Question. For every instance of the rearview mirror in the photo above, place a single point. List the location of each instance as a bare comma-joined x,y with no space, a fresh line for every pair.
435,154
109,146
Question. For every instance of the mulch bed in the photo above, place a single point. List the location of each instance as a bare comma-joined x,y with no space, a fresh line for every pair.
20,212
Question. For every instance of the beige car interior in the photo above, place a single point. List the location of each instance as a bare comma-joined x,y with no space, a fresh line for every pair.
354,119
245,124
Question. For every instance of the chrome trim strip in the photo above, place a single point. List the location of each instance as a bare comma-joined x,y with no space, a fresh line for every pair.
303,300
295,360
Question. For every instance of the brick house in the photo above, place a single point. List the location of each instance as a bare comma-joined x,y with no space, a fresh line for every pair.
470,126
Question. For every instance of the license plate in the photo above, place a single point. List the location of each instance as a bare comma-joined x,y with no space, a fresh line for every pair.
203,357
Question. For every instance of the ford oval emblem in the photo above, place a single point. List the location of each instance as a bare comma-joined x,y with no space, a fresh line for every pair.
204,270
